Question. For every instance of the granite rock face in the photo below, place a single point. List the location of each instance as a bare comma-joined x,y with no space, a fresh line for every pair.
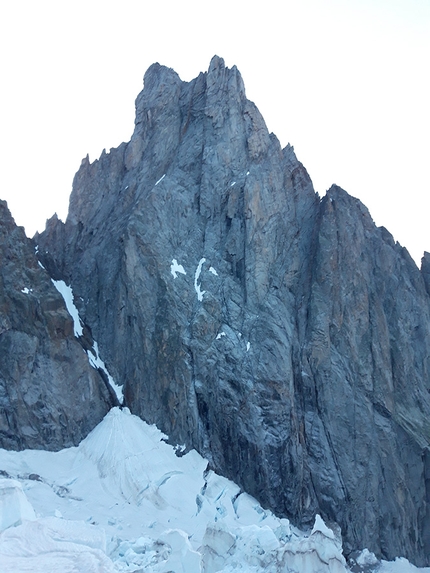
50,397
283,336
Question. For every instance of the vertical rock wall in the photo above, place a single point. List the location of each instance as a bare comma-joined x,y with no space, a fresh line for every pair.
50,397
283,336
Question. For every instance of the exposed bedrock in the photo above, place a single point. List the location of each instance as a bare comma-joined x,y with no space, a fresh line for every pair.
284,336
50,396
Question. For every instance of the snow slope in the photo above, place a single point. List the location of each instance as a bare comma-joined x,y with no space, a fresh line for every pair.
124,501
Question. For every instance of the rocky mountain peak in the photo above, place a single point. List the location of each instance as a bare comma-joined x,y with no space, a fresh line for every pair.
425,270
217,64
161,89
282,335
222,80
6,219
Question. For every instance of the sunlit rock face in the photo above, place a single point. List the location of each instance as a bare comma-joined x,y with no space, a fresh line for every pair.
50,397
284,336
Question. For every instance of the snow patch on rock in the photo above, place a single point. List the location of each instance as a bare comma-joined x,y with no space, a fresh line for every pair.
67,294
197,286
176,268
96,362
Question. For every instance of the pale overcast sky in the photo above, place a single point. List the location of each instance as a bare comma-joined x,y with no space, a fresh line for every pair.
346,82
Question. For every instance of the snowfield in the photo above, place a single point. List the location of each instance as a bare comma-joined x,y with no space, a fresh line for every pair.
124,501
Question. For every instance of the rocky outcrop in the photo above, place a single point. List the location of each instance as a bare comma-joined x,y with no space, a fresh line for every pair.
425,269
50,397
283,336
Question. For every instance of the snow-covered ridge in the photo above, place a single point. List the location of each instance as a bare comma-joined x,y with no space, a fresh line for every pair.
124,501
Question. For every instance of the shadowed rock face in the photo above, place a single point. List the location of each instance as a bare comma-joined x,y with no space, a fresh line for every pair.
50,397
283,336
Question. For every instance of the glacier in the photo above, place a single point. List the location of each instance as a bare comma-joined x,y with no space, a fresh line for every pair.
125,500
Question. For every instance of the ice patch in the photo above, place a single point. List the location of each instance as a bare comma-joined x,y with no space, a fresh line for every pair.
25,290
96,362
67,295
234,183
41,266
320,526
161,179
213,271
248,346
152,511
219,335
14,506
199,292
366,558
51,545
176,268
182,557
400,565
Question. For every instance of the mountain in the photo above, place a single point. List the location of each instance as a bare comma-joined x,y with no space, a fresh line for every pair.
282,335
50,396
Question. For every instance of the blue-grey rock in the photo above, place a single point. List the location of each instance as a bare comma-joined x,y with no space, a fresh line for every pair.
292,345
50,396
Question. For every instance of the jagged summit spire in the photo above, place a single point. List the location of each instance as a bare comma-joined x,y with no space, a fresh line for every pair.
216,63
226,78
157,74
